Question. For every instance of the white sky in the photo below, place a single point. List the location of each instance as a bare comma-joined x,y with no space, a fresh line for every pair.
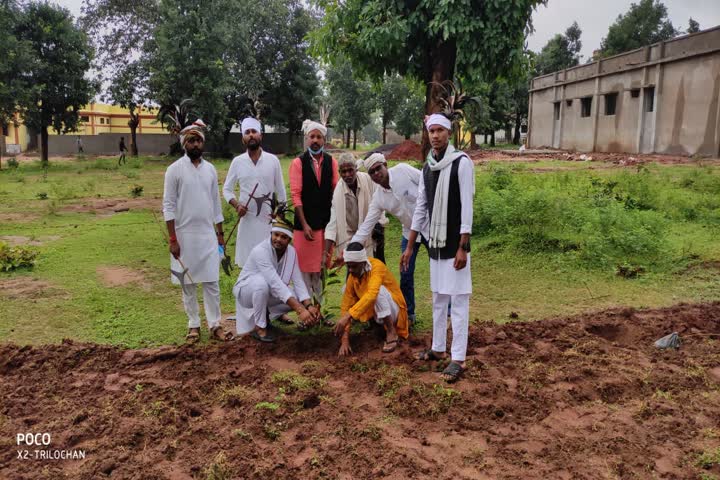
593,16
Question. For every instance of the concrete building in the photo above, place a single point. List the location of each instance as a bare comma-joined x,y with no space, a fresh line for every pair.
662,98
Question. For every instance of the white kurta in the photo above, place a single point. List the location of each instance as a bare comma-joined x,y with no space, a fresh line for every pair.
444,279
191,197
254,227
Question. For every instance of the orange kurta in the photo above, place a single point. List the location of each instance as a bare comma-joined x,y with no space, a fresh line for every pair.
361,293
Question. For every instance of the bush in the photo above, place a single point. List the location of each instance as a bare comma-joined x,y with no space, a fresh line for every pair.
136,191
12,258
13,163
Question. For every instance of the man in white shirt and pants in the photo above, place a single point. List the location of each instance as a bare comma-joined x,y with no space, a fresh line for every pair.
254,167
192,212
397,194
445,197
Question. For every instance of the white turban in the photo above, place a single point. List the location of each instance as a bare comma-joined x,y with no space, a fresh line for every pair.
197,128
250,123
282,227
373,159
309,125
438,119
357,257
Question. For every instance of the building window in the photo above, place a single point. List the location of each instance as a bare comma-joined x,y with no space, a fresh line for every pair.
84,118
649,99
568,103
635,92
5,131
610,103
556,110
102,121
586,106
523,128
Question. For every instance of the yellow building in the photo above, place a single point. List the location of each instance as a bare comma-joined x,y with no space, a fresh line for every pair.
95,118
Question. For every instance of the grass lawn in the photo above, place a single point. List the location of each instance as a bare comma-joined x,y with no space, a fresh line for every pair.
545,244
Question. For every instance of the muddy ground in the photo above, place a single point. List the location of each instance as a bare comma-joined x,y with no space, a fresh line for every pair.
586,397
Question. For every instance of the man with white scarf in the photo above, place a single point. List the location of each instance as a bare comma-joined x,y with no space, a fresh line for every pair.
445,196
396,194
192,212
254,167
271,283
350,202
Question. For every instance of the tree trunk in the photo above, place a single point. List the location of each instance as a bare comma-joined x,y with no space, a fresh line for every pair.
473,142
485,141
290,141
347,139
2,144
441,67
133,124
384,133
508,133
44,146
492,139
354,139
516,137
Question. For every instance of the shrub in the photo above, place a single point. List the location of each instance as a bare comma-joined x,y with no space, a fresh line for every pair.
136,191
12,258
13,163
42,196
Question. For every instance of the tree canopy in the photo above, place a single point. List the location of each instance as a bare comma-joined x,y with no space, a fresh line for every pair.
562,51
644,23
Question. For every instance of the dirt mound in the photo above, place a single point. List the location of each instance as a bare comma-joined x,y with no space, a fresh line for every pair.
113,276
27,288
18,217
20,240
408,150
110,206
584,397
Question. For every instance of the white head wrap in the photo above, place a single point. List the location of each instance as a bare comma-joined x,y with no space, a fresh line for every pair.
373,159
360,256
282,227
438,119
250,123
197,128
309,125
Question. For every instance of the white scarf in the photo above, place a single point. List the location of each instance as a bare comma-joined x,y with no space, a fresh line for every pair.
364,196
438,221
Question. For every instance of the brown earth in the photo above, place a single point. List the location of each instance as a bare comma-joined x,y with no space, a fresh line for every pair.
18,217
114,276
586,397
110,206
20,240
27,288
408,150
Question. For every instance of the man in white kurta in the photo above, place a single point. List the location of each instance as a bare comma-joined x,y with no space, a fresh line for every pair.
271,283
192,212
254,167
396,194
445,197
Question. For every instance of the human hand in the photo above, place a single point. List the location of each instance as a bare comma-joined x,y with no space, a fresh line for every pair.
460,259
175,248
307,231
405,258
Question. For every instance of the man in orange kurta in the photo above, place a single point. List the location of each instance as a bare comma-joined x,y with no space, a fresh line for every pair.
371,292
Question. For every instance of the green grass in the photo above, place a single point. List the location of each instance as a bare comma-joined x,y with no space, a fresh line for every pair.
544,245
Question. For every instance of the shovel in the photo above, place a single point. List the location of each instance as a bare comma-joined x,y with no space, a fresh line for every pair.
226,262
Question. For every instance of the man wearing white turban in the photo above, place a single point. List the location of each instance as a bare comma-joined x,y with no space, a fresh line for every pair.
192,212
397,194
313,177
254,167
445,196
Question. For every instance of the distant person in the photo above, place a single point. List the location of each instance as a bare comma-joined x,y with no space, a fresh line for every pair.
193,214
123,150
79,143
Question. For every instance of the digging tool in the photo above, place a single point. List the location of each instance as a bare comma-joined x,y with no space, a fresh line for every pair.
226,261
179,275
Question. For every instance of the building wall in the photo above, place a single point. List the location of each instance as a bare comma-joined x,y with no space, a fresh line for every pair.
679,79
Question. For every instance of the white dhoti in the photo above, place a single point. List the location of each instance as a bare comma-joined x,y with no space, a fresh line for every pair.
257,298
211,302
385,306
450,286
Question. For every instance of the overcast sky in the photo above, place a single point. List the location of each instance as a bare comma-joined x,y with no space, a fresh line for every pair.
593,16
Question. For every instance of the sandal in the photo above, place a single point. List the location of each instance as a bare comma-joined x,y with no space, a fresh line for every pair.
263,339
429,355
452,372
390,346
193,336
219,334
285,319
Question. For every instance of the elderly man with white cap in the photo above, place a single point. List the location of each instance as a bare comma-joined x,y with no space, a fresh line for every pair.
313,177
445,197
192,212
271,284
397,194
255,167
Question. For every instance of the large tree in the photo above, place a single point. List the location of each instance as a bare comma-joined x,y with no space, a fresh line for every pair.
352,99
561,51
693,26
61,55
409,119
644,23
430,40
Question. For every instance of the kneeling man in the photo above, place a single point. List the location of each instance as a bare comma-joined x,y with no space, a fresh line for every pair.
271,283
371,293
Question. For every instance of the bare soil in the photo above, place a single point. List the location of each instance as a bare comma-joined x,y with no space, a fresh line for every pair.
20,240
111,206
114,276
586,397
28,288
408,150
